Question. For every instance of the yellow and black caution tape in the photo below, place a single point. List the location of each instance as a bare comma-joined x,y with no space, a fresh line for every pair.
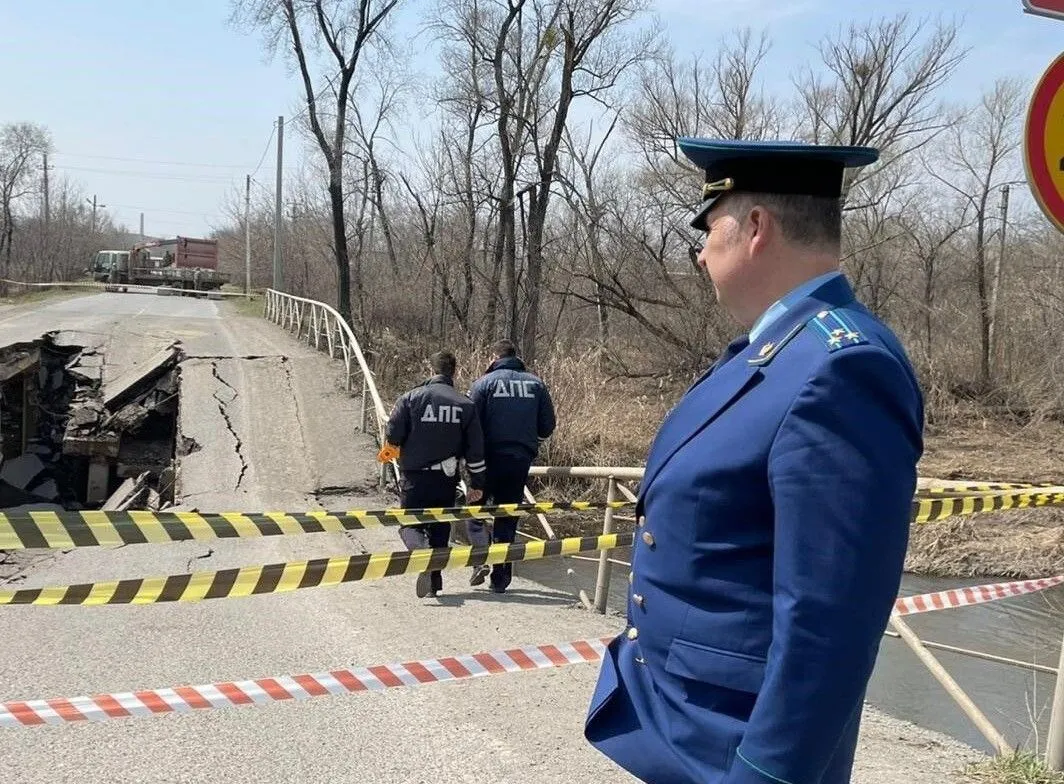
969,488
65,530
926,510
320,572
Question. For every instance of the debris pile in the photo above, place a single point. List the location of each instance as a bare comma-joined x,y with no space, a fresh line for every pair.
69,437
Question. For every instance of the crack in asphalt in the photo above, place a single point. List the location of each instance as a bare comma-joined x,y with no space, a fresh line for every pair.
223,409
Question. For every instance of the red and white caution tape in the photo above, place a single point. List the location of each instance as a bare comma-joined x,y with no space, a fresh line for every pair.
184,699
977,594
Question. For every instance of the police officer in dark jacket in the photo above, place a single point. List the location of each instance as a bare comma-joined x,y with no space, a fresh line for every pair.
434,426
516,412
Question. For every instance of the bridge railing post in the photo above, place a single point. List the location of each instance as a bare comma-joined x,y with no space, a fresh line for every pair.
1055,744
602,582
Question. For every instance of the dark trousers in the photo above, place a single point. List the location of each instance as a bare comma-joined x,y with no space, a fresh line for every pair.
504,484
428,488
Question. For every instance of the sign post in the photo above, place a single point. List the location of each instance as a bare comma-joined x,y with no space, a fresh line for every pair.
1050,8
1043,141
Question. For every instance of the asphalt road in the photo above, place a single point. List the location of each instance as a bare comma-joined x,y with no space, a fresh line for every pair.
271,431
271,428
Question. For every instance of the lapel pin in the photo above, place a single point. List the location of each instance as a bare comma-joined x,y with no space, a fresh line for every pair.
765,349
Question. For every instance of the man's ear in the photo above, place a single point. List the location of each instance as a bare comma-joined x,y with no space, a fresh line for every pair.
761,227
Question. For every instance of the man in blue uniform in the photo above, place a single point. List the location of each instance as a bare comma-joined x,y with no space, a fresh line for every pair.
773,515
434,426
516,413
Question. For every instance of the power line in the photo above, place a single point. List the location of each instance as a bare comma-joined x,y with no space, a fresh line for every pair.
266,149
159,209
147,160
151,175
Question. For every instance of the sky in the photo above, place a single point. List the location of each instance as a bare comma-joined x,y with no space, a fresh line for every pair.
161,107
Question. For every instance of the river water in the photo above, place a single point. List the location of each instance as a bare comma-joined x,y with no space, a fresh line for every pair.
1016,701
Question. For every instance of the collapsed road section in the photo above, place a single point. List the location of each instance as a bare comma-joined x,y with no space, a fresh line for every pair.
68,441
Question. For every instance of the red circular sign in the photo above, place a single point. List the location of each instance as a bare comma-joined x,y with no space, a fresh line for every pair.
1043,153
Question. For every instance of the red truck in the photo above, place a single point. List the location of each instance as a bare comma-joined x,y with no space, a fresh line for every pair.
182,262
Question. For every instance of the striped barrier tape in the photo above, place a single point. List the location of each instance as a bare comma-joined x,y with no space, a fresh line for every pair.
962,488
65,530
976,594
927,510
295,575
185,699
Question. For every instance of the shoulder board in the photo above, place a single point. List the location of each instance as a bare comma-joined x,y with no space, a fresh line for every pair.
836,330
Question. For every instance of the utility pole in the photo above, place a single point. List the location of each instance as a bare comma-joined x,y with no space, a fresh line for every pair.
142,237
92,201
247,236
998,264
47,214
278,278
45,233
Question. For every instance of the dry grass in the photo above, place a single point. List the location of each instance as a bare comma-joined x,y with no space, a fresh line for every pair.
1018,768
23,296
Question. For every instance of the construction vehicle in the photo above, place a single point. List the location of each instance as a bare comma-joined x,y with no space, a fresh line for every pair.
184,263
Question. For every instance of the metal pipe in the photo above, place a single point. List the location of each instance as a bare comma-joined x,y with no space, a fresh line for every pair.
975,654
971,710
1055,744
588,472
602,582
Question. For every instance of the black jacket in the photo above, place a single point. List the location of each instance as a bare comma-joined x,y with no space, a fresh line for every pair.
514,407
433,422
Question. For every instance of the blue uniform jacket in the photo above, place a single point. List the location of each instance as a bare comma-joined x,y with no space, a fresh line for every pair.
773,521
514,407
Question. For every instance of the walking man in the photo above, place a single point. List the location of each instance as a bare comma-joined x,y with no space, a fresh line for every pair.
516,414
773,516
433,426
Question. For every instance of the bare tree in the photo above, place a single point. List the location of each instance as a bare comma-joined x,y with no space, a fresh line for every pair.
982,154
344,28
21,148
593,59
879,88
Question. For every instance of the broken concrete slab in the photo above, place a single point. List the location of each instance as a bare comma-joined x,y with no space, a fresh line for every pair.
20,472
139,380
85,416
18,359
87,375
48,490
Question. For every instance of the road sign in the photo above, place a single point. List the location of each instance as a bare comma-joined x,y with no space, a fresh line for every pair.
1043,148
1051,8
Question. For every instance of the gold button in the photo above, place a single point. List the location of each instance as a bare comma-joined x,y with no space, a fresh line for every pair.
638,599
641,521
648,538
633,633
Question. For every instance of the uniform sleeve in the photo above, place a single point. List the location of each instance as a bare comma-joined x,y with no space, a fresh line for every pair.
545,422
842,472
399,422
478,393
473,451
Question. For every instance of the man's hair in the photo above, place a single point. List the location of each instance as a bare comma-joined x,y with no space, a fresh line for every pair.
813,221
504,348
444,363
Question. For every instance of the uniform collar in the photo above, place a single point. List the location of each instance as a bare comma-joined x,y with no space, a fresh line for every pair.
785,303
506,363
440,380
